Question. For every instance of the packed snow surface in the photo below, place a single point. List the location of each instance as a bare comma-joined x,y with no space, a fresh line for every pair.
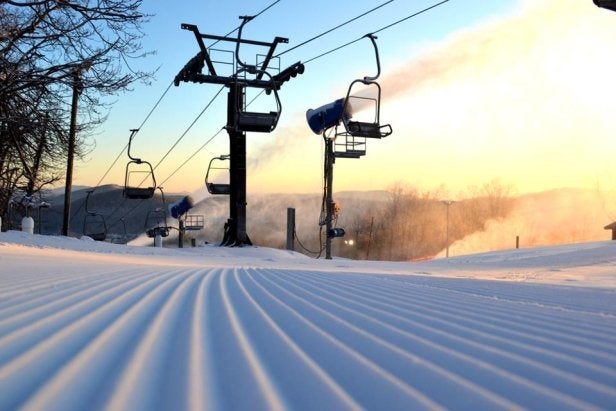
85,325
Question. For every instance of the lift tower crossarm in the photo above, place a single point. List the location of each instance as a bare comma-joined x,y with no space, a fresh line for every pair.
205,55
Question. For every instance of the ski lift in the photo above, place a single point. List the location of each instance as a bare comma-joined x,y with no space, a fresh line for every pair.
156,220
365,128
257,121
94,225
217,188
138,169
121,238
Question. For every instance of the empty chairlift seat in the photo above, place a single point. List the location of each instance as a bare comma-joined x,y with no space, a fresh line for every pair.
94,225
218,164
139,180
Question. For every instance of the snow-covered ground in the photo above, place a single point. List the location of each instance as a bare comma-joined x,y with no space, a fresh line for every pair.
85,325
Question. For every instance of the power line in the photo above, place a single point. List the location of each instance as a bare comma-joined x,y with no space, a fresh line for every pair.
377,31
335,28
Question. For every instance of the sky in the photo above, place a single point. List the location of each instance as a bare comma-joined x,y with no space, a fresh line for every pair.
514,90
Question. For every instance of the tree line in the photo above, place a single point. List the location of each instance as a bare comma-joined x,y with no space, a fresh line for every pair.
401,223
411,224
52,51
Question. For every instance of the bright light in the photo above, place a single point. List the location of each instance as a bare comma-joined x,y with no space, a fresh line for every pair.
350,243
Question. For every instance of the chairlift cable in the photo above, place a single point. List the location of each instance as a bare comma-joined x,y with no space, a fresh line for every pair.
124,149
211,101
410,16
169,151
139,128
253,17
378,31
189,127
192,156
126,214
205,144
149,115
334,28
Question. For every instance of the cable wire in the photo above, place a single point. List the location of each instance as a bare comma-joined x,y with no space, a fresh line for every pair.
139,128
253,17
124,149
169,152
334,28
179,139
189,127
206,143
378,31
193,155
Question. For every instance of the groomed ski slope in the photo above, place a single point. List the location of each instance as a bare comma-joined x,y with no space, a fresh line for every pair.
99,326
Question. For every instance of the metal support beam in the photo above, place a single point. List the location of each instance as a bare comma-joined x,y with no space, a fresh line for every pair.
329,202
236,232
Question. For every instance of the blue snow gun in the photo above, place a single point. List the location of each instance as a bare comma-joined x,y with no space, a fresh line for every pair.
180,208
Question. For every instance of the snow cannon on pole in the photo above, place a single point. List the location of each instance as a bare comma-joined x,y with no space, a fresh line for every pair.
326,116
179,210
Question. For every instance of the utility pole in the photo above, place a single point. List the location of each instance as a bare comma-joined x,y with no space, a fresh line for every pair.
71,152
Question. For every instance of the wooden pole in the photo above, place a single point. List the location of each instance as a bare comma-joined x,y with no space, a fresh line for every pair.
71,154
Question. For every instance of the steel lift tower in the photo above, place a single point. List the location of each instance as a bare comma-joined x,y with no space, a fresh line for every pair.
239,121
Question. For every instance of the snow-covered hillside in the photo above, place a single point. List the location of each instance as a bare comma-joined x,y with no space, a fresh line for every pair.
85,325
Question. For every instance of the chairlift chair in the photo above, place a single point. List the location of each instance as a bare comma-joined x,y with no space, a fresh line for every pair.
138,169
94,225
257,121
156,220
217,188
366,129
123,237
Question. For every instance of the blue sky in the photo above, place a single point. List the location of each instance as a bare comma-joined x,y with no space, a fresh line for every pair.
421,38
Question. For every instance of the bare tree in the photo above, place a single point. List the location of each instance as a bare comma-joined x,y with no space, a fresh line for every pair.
50,49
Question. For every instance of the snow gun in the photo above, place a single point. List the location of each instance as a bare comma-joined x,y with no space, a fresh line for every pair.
177,210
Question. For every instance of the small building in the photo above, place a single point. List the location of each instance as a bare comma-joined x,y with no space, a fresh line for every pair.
612,227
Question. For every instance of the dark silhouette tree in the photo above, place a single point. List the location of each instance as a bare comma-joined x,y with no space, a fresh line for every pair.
50,49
